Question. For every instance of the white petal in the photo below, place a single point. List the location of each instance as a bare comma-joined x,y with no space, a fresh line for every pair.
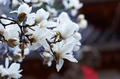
35,45
77,36
63,17
4,21
46,23
70,58
73,12
67,48
14,67
76,48
4,73
49,63
14,11
6,63
59,66
15,75
67,29
30,19
41,15
26,51
24,8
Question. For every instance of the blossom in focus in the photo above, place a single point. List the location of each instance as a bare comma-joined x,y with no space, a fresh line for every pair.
22,11
23,8
11,34
63,51
40,15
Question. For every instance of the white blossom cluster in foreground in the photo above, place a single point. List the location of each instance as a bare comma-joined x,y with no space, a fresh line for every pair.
58,36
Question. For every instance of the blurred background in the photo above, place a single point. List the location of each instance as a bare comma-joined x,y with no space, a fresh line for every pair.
99,56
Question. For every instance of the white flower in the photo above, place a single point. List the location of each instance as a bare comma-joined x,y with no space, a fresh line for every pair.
63,51
66,29
82,21
31,19
72,4
11,72
15,2
52,11
23,8
12,31
40,15
40,34
11,34
63,17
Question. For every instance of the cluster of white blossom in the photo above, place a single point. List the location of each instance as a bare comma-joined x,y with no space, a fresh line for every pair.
11,72
58,36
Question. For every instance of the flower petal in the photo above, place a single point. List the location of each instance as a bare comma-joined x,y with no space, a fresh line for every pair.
6,62
59,66
70,58
67,48
14,67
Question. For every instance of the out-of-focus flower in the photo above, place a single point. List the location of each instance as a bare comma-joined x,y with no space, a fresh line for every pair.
82,21
63,17
52,11
48,58
4,2
15,2
74,5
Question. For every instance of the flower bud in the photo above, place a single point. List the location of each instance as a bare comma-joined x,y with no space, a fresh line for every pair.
82,21
21,17
13,42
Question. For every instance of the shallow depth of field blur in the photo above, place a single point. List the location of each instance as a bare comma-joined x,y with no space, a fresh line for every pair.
99,56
